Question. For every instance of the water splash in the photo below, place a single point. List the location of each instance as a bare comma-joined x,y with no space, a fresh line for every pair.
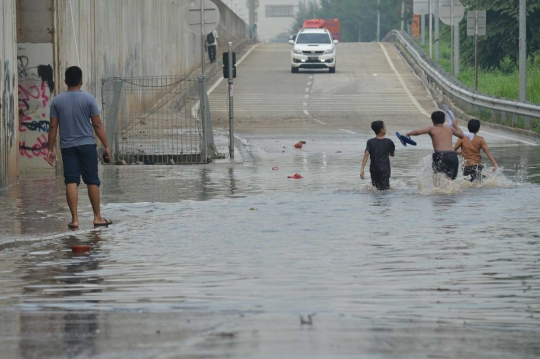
430,183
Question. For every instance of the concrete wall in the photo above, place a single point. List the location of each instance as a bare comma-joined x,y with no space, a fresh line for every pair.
9,154
106,38
131,38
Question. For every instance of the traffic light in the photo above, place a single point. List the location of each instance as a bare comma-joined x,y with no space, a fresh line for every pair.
226,64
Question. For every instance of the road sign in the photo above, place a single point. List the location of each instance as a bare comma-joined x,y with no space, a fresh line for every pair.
257,4
476,20
421,7
193,16
445,11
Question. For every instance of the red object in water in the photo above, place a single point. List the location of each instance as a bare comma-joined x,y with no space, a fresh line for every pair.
296,176
275,168
83,248
298,145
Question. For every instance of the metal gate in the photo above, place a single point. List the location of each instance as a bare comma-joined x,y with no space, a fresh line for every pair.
156,120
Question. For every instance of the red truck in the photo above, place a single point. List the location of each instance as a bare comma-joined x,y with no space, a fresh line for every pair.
331,25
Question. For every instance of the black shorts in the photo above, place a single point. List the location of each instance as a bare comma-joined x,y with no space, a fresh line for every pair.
446,162
81,160
380,178
475,172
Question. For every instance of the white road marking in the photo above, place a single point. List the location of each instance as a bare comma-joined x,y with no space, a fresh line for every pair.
309,83
413,99
305,104
322,123
306,112
511,139
354,133
194,108
307,96
310,76
307,89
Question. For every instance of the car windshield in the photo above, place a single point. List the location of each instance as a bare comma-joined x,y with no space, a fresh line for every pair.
313,39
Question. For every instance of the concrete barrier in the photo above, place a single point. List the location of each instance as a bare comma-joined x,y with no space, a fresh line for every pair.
132,38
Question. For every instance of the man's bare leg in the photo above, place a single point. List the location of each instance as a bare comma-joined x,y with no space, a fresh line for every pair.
93,194
72,196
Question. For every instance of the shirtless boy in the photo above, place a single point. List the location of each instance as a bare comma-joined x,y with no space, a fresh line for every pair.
445,159
472,160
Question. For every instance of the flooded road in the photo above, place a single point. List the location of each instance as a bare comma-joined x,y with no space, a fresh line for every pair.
238,261
222,260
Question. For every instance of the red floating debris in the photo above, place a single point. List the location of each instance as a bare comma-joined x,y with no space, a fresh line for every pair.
296,176
275,168
83,248
298,145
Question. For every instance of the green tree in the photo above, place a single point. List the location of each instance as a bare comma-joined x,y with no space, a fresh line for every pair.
502,36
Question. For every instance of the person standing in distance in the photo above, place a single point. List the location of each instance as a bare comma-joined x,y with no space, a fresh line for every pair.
76,113
212,40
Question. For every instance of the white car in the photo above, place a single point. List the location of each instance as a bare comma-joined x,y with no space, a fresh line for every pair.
313,49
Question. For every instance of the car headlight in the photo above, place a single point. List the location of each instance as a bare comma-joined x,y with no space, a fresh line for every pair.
329,51
297,51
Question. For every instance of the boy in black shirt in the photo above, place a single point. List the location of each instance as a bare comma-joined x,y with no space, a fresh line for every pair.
379,149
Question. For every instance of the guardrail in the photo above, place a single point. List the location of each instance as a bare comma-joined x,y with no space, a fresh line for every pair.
522,114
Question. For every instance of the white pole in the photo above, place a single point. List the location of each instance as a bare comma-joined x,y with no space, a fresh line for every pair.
402,15
378,21
437,27
522,50
457,46
430,31
423,29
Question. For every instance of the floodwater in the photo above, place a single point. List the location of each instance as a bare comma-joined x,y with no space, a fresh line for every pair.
222,260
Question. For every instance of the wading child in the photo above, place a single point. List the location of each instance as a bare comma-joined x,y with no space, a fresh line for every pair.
379,149
470,149
445,159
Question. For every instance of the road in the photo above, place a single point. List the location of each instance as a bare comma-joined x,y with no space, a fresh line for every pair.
221,260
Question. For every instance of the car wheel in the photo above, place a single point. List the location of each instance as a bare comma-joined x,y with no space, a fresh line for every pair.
294,70
332,70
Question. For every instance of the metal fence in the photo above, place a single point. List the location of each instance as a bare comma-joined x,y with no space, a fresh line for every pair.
505,112
156,120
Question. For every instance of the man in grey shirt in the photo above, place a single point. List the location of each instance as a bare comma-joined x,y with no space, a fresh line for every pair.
77,114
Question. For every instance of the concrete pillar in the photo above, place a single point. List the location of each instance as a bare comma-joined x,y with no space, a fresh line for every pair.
9,129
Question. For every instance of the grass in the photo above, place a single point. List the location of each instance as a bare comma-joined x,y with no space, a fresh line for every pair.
498,83
494,82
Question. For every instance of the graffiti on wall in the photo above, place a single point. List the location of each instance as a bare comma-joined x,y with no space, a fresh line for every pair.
9,106
36,90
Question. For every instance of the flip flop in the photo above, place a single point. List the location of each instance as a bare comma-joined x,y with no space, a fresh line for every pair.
72,226
400,137
405,140
107,222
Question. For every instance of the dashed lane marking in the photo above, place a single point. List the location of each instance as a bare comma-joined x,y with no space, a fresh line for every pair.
354,133
306,112
322,123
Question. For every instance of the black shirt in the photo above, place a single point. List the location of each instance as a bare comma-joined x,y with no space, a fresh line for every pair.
379,154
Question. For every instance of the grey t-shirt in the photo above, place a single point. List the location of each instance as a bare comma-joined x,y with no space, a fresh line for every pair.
73,110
